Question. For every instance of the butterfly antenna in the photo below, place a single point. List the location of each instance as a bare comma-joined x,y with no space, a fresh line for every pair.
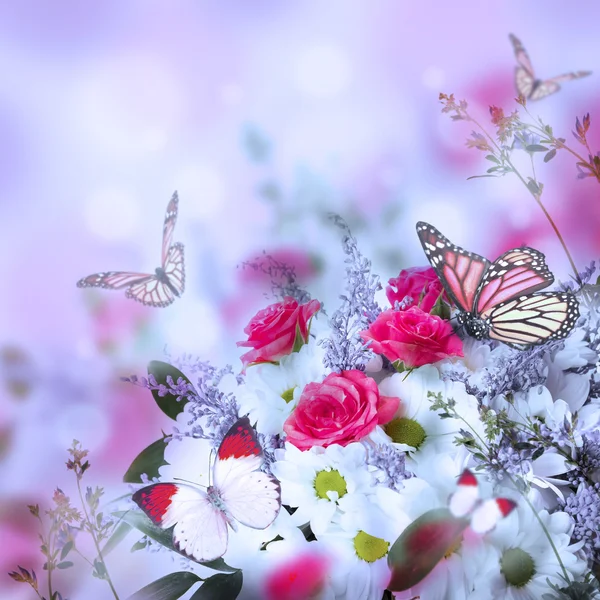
191,482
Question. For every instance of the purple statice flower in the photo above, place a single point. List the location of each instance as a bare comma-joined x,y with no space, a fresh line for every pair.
585,276
584,508
392,463
509,456
519,371
212,411
269,443
282,276
345,348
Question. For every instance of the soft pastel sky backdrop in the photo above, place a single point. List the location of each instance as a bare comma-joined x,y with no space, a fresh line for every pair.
264,116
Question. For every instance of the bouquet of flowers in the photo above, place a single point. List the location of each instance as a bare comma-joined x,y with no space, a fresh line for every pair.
437,440
377,452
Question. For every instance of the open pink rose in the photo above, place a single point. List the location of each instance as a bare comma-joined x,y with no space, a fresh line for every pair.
273,331
344,408
420,283
412,336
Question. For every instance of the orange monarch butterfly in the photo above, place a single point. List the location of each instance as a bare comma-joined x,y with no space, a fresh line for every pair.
497,300
158,289
525,80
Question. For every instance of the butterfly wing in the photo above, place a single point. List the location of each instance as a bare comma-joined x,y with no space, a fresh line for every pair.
460,272
151,292
113,280
524,73
169,226
251,497
199,528
521,54
534,319
466,496
174,268
516,273
487,514
550,86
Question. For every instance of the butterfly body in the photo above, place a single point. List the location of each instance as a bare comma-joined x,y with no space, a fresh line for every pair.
474,326
240,494
527,84
498,300
159,289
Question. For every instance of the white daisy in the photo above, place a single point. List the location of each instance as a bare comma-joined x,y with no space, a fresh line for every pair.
526,559
316,479
271,392
360,542
418,430
462,573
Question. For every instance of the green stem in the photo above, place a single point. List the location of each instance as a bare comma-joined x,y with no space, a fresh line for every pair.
536,197
545,530
91,527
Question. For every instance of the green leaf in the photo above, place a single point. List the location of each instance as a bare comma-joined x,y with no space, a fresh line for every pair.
119,534
168,403
479,176
64,565
550,155
65,550
299,341
220,587
493,159
421,546
170,587
139,545
536,148
147,461
165,537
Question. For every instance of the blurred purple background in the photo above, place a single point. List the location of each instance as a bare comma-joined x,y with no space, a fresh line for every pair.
264,116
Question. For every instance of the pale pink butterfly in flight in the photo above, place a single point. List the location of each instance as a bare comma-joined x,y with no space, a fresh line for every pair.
239,493
525,80
483,514
158,289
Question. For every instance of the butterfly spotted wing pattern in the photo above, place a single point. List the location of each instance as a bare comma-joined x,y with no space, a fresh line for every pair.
159,289
459,271
498,300
525,80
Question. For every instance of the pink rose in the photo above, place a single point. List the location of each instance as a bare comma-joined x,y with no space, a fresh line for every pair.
412,336
344,408
420,283
297,578
273,331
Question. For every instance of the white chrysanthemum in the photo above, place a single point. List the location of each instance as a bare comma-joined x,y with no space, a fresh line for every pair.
316,479
526,559
576,351
418,430
462,573
271,392
360,542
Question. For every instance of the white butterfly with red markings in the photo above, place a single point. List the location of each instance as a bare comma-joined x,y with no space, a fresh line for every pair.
525,80
483,514
159,289
239,493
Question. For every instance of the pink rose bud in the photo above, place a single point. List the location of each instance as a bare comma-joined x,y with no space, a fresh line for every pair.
344,408
413,337
420,283
275,331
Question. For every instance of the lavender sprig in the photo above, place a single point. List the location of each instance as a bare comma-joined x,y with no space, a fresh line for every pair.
282,276
345,348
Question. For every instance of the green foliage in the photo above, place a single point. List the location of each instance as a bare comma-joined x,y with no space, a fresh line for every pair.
148,462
